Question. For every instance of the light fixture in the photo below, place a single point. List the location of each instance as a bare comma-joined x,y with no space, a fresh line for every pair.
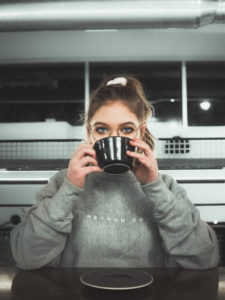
205,105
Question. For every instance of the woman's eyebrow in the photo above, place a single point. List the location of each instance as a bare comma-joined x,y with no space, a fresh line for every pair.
121,124
128,123
100,123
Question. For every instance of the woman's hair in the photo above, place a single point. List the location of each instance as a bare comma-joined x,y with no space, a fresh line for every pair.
131,94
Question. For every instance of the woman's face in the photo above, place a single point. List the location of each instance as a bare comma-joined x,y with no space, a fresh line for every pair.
114,118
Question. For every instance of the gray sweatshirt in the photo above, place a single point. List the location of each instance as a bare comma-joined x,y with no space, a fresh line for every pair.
113,222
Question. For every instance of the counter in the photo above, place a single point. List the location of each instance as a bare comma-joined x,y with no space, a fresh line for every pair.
42,176
55,284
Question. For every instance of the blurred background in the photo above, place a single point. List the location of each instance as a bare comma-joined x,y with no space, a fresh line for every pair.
54,53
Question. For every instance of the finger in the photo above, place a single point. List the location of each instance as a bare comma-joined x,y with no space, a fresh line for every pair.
91,169
135,154
143,159
84,150
88,160
142,145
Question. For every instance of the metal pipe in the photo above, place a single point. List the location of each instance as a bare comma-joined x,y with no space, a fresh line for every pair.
86,87
72,15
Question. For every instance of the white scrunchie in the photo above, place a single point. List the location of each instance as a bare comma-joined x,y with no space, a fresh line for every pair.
118,80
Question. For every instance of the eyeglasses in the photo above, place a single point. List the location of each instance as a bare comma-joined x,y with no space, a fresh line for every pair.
100,131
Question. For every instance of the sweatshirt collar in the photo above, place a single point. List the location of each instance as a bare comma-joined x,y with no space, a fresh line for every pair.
127,176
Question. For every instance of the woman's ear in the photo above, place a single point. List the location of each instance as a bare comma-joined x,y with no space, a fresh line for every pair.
88,135
142,130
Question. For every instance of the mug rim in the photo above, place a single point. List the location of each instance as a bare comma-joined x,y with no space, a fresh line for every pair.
113,137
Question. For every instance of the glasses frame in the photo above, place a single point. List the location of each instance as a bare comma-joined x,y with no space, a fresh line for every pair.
90,127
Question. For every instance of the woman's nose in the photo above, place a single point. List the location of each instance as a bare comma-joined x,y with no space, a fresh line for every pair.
113,132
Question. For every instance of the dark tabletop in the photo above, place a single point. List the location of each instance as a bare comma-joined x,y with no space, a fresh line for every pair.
63,284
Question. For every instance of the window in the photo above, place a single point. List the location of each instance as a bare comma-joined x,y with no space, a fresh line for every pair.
161,82
206,93
36,93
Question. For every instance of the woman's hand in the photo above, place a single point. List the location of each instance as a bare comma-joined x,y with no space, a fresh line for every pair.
81,164
147,171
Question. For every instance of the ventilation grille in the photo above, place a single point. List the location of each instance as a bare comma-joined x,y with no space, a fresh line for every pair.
175,146
42,149
190,148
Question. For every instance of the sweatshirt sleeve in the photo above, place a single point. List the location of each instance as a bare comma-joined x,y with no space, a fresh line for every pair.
41,237
188,241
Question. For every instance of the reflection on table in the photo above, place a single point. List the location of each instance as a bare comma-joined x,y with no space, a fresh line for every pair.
65,284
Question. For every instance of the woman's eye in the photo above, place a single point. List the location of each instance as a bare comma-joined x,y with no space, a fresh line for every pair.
127,130
101,130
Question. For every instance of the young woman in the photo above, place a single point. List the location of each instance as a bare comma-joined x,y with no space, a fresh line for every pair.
85,217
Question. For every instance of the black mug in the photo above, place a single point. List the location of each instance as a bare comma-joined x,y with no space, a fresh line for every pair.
111,154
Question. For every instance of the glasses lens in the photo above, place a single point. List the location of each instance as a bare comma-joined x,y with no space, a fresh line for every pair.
99,132
129,131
